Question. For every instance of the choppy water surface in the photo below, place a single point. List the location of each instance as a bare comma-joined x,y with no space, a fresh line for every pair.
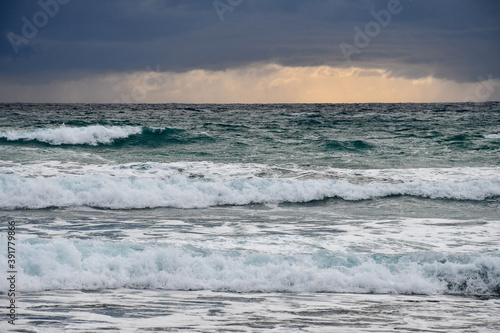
369,217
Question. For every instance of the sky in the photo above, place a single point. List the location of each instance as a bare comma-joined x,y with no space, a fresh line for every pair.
249,51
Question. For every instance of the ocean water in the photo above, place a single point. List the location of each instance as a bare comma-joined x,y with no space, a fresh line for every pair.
252,218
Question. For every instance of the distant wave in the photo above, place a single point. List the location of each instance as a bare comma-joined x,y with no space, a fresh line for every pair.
95,264
355,145
95,135
183,191
492,136
89,135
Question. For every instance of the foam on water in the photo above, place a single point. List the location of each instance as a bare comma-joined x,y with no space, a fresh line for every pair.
114,192
95,264
89,135
145,264
492,136
232,171
205,184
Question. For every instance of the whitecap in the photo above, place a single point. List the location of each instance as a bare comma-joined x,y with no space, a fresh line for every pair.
96,264
88,135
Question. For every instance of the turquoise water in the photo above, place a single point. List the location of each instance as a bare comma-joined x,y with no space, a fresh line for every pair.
305,216
344,136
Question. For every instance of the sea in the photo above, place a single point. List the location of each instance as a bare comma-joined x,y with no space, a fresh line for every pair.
250,217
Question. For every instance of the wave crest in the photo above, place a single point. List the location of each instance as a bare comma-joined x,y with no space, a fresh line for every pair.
90,135
180,191
95,264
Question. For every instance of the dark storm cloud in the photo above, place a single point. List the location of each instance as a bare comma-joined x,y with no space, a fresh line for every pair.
457,40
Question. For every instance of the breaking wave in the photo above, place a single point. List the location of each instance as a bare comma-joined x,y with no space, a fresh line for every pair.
89,135
95,135
182,191
96,264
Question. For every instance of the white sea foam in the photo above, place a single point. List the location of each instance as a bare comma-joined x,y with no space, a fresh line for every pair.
204,184
492,136
95,264
232,171
184,192
89,135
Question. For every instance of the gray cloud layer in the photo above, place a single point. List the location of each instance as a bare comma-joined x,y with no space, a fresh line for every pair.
452,39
